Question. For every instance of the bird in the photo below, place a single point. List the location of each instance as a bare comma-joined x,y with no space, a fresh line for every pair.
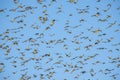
44,39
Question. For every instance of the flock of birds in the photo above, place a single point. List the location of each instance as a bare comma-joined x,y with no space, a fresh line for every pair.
60,40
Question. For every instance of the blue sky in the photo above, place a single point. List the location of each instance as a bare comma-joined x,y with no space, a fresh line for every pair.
67,40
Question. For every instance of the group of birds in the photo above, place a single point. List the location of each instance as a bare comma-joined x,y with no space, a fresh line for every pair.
59,40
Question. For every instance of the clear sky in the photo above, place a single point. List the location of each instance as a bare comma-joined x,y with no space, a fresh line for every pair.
59,40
